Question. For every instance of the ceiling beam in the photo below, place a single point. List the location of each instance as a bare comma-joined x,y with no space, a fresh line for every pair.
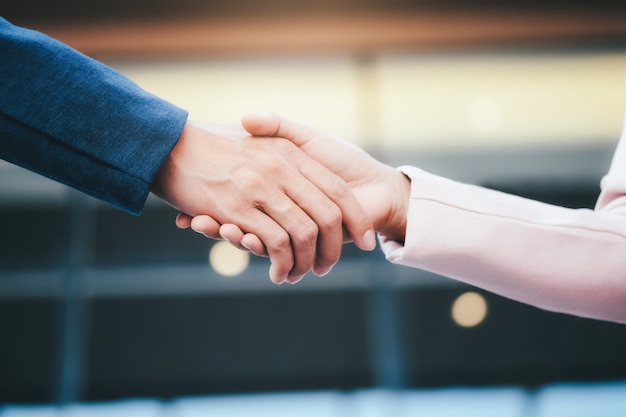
352,33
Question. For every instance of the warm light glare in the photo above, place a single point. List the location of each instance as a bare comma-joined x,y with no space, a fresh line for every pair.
484,113
469,309
227,260
318,91
501,99
409,100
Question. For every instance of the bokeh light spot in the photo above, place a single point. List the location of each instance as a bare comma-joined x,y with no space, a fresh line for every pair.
227,260
469,309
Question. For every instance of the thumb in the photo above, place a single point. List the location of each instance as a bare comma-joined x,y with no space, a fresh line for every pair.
271,124
261,124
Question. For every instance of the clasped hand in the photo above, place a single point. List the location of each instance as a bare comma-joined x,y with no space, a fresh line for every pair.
285,165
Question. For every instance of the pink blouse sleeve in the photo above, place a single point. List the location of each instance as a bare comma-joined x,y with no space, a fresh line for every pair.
566,260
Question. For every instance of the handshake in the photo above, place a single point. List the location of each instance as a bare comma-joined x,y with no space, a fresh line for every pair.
294,194
282,190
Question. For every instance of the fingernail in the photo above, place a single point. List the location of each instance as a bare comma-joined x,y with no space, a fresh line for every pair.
277,280
369,240
323,272
294,280
274,277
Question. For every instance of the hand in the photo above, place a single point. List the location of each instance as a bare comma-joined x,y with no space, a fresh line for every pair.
268,187
382,190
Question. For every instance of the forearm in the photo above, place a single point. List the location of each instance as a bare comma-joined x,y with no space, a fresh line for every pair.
79,122
559,259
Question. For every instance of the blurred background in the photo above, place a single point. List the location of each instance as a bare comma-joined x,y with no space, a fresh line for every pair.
103,312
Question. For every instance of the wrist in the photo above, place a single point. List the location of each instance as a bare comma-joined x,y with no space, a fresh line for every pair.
162,183
394,226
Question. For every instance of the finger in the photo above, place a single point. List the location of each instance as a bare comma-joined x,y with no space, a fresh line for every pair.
207,226
328,219
183,221
277,241
232,234
271,124
353,216
358,225
312,219
261,124
247,241
325,223
300,228
252,242
235,236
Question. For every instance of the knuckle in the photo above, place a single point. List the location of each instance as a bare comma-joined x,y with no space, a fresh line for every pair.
280,240
273,165
338,187
333,212
281,167
307,233
332,217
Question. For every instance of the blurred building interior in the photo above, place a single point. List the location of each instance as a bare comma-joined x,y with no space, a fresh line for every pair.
98,306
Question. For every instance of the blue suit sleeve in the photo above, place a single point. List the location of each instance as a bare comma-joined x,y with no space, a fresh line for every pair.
78,122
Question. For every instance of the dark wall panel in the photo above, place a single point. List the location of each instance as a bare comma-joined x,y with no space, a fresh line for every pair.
206,345
33,237
516,344
29,335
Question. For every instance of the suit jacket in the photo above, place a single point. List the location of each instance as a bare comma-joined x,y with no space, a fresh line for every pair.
77,121
566,260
